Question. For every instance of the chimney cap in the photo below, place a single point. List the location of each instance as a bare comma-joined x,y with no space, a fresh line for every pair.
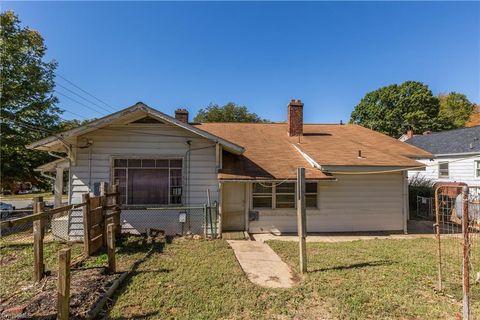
181,110
296,103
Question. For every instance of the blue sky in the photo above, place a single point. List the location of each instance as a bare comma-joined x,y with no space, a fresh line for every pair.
258,54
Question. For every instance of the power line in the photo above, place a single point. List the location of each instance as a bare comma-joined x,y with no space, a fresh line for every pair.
86,92
75,114
35,128
80,96
80,103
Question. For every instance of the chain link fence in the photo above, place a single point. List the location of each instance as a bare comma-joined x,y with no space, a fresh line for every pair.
425,208
170,220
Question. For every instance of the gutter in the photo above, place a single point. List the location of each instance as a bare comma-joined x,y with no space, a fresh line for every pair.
276,180
456,154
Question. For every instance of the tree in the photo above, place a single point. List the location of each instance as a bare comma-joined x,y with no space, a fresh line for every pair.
228,113
396,108
456,107
28,107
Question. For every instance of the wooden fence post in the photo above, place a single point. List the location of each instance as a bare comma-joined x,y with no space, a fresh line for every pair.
104,204
116,201
301,218
86,224
111,247
38,235
63,285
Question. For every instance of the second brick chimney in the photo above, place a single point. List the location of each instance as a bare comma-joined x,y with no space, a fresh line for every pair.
181,115
295,118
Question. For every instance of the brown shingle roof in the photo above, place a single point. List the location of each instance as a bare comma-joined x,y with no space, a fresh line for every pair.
270,152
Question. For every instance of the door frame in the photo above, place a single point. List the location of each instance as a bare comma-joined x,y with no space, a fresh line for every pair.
222,205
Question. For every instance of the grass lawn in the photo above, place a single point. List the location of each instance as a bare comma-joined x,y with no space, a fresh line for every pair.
188,279
378,279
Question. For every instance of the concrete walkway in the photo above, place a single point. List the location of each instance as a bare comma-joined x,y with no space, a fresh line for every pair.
262,265
416,229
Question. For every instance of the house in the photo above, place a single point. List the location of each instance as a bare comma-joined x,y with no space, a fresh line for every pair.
354,175
456,156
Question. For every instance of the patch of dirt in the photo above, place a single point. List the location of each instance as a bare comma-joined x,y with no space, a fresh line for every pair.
5,260
87,285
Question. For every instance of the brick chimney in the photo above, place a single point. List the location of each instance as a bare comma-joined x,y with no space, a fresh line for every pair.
295,118
181,115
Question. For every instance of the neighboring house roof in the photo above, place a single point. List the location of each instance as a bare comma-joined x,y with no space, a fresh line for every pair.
464,140
138,108
271,153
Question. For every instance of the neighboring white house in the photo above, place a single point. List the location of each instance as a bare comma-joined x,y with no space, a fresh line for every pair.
248,168
456,156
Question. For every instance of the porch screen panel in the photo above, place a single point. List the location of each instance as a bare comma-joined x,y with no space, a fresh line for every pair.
149,181
148,186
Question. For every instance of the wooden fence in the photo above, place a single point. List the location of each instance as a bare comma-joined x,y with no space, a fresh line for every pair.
98,213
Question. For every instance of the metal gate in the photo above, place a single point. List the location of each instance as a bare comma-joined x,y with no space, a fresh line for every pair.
457,228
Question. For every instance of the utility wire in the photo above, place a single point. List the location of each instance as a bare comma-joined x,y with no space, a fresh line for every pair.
86,92
80,103
82,97
35,128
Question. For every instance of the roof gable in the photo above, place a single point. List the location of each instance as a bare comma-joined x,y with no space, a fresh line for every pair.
130,115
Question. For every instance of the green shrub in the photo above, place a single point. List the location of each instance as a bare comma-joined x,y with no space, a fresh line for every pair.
419,186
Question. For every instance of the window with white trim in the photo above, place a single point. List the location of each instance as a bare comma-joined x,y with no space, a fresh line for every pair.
311,194
262,194
282,196
443,169
285,195
477,168
149,181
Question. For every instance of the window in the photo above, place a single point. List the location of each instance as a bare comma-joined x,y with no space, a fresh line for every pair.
477,168
285,195
263,195
149,181
443,170
311,194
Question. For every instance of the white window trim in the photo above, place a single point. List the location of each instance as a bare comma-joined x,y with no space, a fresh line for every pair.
263,195
287,194
273,194
440,176
148,157
476,168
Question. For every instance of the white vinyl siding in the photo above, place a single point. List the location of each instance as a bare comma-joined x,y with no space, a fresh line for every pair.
353,203
161,141
462,168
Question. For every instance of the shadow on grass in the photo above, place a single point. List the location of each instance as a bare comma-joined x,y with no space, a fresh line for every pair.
129,245
357,266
